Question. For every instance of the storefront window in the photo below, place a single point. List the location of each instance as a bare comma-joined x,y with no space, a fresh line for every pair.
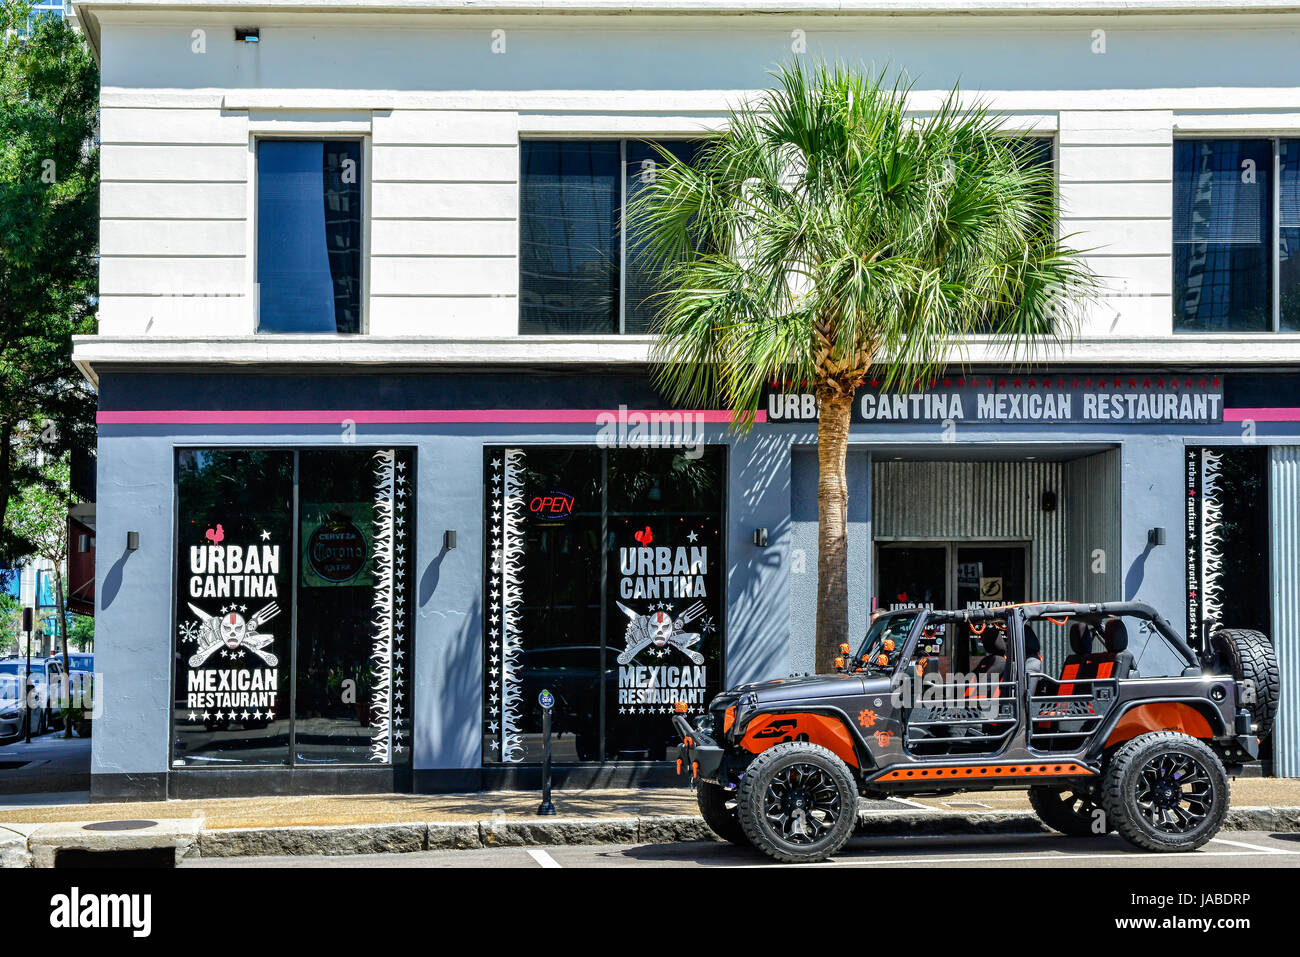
1227,540
604,586
291,614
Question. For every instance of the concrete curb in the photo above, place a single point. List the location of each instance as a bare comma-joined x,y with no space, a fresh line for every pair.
34,845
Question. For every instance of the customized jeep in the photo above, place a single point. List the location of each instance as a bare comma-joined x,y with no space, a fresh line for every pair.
937,702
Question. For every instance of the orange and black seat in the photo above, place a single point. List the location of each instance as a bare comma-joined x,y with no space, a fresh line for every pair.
1115,662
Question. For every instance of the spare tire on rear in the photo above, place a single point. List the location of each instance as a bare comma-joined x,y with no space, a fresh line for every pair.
1250,658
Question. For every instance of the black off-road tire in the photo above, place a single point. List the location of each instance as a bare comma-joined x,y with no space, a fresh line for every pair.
1071,812
1250,657
722,820
1127,787
828,776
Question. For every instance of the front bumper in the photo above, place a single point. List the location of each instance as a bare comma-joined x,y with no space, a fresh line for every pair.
698,754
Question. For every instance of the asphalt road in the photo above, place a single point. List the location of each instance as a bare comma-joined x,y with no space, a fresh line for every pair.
1231,849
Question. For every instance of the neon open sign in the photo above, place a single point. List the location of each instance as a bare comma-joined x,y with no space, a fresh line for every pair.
552,505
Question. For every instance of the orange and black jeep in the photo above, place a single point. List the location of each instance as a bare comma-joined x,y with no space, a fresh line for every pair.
1134,735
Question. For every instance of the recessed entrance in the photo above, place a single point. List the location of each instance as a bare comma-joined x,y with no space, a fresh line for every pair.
1001,525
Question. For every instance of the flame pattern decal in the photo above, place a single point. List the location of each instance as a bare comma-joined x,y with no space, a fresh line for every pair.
1211,541
389,604
505,596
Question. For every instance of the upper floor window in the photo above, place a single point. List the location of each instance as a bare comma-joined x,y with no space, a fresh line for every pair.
309,233
1237,235
579,272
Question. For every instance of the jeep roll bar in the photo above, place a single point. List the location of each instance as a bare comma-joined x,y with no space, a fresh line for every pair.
1037,611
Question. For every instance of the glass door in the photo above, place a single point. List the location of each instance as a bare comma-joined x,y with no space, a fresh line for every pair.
990,575
910,575
950,574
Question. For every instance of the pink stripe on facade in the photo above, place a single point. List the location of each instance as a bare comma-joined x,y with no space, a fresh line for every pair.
1278,414
398,416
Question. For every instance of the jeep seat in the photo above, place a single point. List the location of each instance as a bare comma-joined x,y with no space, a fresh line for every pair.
992,667
1115,662
1033,651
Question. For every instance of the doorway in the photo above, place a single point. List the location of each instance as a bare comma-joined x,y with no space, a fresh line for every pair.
950,574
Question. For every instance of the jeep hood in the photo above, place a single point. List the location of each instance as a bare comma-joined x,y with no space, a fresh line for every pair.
802,687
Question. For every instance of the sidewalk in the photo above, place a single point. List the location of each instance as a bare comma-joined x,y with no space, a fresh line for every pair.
369,824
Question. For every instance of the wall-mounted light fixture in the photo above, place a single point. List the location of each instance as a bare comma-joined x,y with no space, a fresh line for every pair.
248,35
760,537
132,541
449,539
1155,536
1049,501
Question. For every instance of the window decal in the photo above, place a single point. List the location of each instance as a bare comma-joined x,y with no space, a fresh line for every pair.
390,601
505,642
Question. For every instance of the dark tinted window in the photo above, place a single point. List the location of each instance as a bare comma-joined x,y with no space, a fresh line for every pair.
578,273
641,281
1223,226
309,236
569,237
1288,252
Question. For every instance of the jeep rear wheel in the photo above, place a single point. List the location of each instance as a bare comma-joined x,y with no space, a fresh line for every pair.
1165,791
797,802
1249,656
1073,813
718,808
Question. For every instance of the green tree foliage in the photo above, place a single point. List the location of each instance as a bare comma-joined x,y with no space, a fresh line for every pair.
39,515
828,232
49,211
82,636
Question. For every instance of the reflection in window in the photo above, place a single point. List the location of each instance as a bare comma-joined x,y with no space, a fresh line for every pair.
309,236
1223,226
576,276
343,702
1288,252
569,236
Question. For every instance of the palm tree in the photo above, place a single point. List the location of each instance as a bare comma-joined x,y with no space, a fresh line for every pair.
828,232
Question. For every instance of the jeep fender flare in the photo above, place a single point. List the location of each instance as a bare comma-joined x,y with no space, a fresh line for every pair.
834,732
1190,716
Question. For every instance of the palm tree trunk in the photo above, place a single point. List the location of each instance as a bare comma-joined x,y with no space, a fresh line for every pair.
832,528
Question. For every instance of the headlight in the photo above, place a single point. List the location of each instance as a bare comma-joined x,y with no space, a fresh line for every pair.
706,725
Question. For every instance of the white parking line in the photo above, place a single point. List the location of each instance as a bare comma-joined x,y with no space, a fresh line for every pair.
543,859
1253,847
902,800
1045,857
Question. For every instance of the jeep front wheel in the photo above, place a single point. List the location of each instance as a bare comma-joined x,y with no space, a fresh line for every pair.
1165,791
1073,813
718,809
797,803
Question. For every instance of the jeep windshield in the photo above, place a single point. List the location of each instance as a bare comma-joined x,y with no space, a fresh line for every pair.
879,651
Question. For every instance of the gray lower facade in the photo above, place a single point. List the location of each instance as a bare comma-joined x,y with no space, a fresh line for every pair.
946,507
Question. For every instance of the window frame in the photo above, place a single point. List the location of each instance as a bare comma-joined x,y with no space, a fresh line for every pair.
1275,233
341,132
622,140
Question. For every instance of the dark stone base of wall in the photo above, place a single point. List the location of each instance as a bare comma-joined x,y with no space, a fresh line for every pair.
111,788
529,777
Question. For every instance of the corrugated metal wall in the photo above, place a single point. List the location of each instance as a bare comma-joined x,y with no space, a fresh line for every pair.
1284,508
1093,550
1003,501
